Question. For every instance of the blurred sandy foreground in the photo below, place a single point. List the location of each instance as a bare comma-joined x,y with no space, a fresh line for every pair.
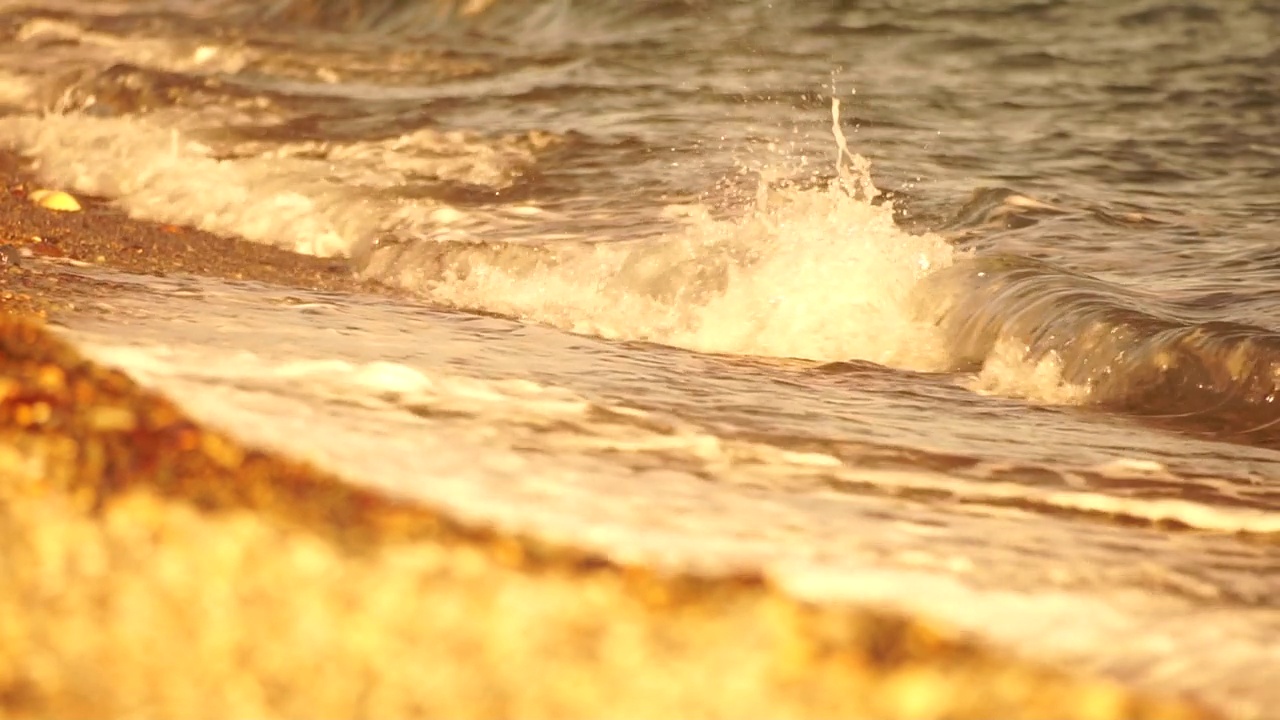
153,568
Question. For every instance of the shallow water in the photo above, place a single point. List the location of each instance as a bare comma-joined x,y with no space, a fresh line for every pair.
663,313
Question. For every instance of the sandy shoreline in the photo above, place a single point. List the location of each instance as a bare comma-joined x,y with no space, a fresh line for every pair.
158,568
102,234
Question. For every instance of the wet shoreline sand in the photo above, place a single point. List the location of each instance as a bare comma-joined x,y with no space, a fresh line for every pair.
102,234
156,567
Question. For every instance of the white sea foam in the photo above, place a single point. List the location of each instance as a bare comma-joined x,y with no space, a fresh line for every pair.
306,197
813,274
1008,372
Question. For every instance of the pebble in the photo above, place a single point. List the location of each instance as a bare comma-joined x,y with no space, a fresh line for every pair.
55,200
10,256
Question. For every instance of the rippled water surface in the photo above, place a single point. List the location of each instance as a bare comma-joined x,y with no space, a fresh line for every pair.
965,307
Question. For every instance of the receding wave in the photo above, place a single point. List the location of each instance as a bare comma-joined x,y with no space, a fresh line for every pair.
1130,355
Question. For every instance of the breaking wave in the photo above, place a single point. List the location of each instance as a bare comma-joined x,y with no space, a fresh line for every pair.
1126,352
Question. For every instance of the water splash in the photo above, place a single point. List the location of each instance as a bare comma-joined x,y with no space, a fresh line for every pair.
820,274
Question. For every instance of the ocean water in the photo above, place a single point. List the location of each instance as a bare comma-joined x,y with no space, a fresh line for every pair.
966,308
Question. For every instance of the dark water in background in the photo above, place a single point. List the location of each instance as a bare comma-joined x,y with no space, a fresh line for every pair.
1026,382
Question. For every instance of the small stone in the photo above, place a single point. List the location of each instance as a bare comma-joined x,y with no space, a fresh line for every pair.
28,415
51,378
111,419
221,451
55,200
10,256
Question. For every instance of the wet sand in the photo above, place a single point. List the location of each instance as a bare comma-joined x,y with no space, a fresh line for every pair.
104,235
154,567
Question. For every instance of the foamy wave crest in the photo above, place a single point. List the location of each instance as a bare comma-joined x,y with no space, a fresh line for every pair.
159,175
821,274
817,274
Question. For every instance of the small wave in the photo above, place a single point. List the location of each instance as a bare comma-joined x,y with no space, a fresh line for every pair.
1129,353
167,59
519,22
124,89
